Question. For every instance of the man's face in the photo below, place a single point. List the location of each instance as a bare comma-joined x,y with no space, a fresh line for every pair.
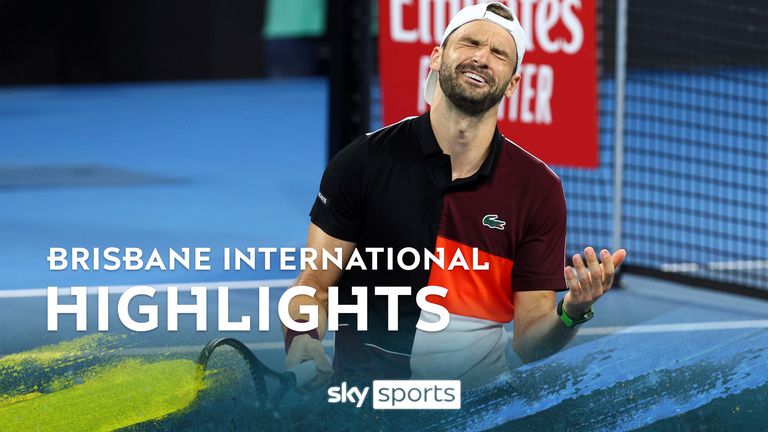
477,65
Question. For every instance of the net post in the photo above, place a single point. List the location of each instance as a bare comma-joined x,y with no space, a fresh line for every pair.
620,74
350,72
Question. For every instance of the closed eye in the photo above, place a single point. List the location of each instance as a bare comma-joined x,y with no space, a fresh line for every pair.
500,54
470,42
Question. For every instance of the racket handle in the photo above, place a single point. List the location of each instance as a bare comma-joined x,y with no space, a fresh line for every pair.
304,372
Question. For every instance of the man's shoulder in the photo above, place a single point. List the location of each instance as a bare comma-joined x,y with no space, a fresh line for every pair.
373,145
523,161
392,133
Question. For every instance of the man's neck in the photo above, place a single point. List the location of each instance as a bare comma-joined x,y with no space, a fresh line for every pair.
466,139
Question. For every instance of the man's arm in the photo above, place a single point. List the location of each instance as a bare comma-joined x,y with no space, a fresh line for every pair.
304,347
539,332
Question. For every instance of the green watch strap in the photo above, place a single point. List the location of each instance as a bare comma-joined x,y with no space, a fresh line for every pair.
572,322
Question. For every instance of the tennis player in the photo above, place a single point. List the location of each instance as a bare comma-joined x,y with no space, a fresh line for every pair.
448,179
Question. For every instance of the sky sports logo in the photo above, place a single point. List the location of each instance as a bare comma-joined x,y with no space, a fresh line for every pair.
401,394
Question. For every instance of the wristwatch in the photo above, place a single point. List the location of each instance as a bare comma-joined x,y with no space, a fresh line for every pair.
571,322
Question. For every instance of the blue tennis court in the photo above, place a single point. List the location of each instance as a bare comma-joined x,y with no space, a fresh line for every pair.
237,164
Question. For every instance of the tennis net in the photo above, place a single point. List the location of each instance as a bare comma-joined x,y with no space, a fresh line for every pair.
695,171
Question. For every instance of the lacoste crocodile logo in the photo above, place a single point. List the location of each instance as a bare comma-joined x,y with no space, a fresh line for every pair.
492,221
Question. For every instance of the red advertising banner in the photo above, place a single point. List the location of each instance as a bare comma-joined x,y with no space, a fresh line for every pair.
553,114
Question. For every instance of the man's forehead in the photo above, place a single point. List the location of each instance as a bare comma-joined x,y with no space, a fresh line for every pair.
482,29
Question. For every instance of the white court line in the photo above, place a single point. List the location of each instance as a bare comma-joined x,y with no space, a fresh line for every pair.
739,265
588,331
119,289
178,349
671,328
186,349
715,265
680,267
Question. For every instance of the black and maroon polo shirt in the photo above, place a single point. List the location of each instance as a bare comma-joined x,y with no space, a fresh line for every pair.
392,188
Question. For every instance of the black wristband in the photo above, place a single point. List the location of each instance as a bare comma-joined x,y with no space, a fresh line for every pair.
290,334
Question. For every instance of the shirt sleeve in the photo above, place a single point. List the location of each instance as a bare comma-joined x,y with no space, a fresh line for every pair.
540,260
338,207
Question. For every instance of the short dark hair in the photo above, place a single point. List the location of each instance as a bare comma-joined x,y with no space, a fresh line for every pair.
500,11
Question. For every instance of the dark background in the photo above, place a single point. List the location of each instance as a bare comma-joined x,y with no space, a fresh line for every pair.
90,41
49,41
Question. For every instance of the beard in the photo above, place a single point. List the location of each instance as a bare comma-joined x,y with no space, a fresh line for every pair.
469,101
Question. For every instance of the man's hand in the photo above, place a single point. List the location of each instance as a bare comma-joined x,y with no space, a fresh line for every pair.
304,348
588,282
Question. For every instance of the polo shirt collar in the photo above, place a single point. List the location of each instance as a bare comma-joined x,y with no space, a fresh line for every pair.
430,147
